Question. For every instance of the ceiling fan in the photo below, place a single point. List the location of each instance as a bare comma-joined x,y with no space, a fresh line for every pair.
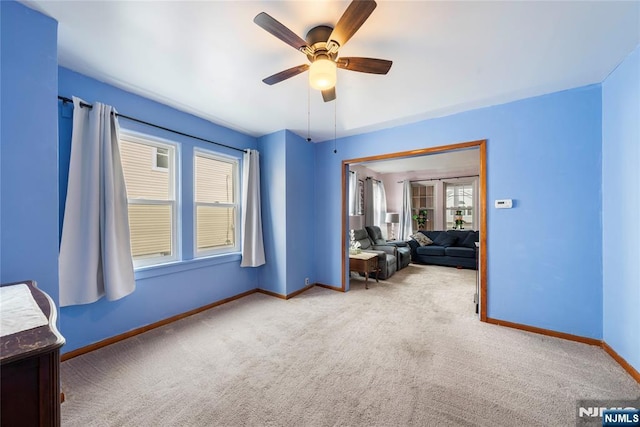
321,48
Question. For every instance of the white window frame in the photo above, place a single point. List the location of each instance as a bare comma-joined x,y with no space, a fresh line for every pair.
174,149
154,160
473,183
236,197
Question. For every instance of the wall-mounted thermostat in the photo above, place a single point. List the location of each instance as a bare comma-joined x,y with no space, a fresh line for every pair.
504,204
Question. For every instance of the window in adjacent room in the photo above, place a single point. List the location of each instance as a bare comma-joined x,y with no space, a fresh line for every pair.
216,191
459,205
423,206
150,174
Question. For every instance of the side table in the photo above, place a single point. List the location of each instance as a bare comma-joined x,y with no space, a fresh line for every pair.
364,262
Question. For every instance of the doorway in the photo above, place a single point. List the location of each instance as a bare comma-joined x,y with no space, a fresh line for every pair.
482,207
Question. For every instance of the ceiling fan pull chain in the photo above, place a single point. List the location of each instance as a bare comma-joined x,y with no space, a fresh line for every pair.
335,126
308,113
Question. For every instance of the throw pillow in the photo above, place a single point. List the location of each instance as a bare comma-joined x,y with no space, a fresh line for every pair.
421,239
445,239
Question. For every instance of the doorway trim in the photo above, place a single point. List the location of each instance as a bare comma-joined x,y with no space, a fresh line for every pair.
482,145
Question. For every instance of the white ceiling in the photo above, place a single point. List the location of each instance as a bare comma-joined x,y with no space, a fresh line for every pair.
208,57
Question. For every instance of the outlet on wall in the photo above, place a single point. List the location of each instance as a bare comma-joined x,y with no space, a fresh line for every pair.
306,281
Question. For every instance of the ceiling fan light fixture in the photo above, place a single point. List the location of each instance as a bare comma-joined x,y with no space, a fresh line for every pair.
322,74
321,48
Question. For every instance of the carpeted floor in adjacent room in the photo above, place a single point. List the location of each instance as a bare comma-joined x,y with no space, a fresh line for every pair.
407,352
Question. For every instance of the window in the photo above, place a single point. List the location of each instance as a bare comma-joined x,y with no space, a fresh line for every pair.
422,206
161,159
150,175
215,204
459,205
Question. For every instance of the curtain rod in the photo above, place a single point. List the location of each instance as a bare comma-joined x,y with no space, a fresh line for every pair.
370,177
440,179
85,105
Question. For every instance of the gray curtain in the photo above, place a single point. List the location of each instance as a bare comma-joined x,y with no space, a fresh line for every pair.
95,250
406,222
252,243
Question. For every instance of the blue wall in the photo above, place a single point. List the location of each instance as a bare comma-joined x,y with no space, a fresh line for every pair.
301,212
544,255
161,292
288,195
328,225
29,148
273,274
620,208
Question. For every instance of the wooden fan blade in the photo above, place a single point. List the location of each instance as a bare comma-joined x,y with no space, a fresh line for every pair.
352,19
271,25
329,94
284,75
365,65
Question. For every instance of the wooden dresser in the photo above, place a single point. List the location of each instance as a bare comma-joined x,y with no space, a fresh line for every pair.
30,365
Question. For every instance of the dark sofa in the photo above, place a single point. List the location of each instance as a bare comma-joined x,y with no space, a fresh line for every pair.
453,248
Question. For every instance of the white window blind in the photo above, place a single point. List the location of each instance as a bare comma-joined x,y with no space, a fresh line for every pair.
150,175
216,194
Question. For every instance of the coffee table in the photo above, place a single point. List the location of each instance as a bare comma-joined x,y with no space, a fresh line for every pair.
364,262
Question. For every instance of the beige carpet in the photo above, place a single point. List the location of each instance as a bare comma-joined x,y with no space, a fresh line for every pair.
408,351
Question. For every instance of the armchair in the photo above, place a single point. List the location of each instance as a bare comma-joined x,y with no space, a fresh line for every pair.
387,260
403,250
